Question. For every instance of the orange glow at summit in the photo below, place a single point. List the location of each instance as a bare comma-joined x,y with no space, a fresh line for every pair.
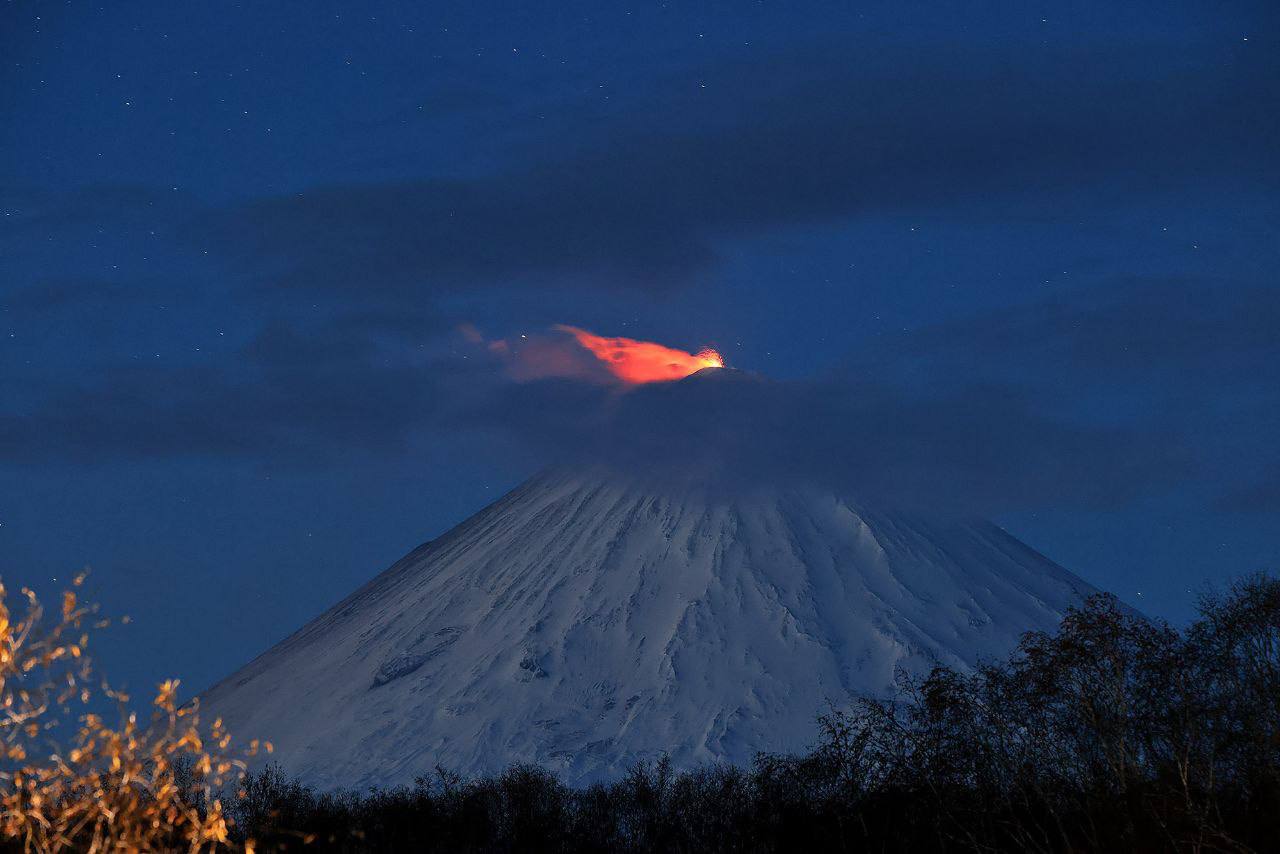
643,361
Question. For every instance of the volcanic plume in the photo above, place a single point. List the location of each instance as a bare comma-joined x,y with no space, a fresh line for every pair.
637,362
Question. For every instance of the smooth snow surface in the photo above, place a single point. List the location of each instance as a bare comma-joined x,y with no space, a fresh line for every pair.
584,623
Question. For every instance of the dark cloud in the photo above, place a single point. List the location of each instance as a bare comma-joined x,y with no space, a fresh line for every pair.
1181,331
786,141
980,450
1261,496
972,435
1014,408
295,394
297,399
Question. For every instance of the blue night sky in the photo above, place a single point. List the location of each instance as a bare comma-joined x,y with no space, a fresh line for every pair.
1014,258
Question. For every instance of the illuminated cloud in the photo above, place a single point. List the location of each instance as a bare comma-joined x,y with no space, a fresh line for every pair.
588,357
643,361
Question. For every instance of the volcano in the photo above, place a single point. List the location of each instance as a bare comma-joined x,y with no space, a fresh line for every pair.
585,621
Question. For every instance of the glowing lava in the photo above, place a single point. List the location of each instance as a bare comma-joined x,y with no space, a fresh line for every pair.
643,361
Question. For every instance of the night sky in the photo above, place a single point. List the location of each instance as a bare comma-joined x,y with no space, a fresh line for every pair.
265,271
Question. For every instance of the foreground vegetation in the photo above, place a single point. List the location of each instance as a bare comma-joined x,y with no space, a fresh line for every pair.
70,780
1114,733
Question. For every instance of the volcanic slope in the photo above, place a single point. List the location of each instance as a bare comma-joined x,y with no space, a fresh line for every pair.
583,622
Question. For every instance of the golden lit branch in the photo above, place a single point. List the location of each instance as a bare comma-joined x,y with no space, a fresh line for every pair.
129,787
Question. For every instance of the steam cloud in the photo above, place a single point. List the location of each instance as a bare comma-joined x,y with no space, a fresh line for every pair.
586,356
638,362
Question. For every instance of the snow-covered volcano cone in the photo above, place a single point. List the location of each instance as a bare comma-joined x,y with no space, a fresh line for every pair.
584,622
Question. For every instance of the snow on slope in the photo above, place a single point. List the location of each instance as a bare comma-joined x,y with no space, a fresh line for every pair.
583,623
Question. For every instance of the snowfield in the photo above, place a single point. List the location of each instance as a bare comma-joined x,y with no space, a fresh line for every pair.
583,623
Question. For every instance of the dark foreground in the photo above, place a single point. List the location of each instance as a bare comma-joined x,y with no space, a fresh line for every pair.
1115,734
